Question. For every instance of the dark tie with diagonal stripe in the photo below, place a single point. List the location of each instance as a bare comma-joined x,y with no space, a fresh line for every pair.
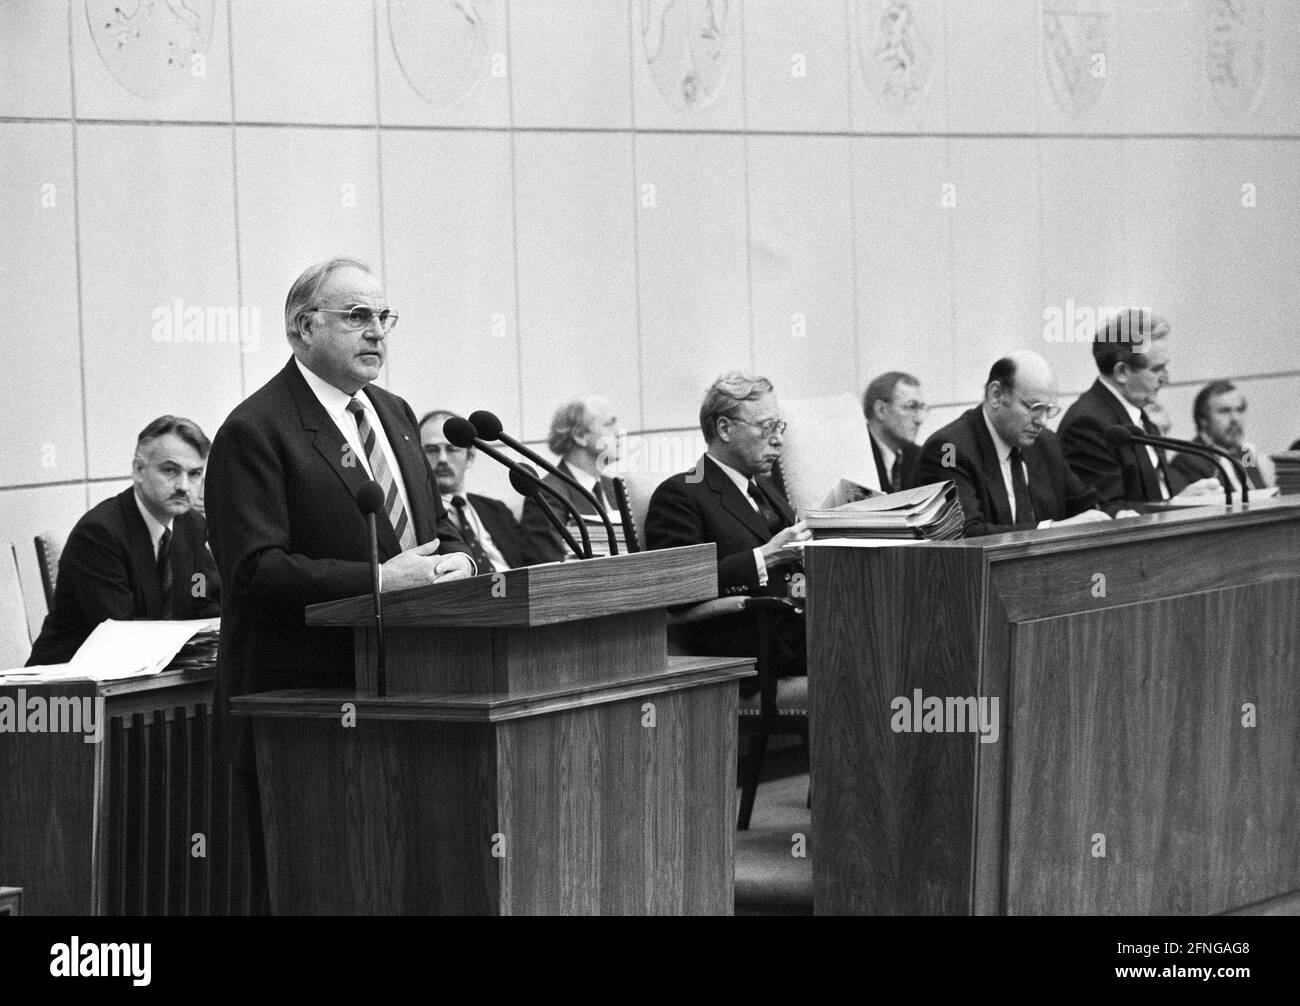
1020,489
397,514
469,536
165,571
765,508
1152,430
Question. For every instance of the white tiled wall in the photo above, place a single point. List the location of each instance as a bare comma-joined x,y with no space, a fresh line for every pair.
822,189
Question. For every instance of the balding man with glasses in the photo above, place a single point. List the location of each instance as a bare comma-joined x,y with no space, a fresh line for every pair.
282,479
1008,466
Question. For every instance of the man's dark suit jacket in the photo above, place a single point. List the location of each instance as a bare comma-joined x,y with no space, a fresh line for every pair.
688,509
108,570
911,455
287,533
542,543
1189,468
1056,492
500,523
1121,476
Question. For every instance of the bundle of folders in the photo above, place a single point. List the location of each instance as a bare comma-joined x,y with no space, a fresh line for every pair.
931,512
1288,472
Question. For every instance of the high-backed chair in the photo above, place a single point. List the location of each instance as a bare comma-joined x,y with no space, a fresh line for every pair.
15,636
826,440
48,549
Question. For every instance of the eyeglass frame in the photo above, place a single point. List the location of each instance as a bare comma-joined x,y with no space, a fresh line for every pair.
386,324
778,426
1045,410
915,408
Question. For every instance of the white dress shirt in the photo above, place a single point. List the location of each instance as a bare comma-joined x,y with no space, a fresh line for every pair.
1003,450
476,525
155,527
742,483
335,402
887,455
1135,417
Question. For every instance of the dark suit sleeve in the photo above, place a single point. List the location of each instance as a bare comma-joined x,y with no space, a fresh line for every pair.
1092,459
541,542
208,603
1184,469
674,520
94,563
1080,497
965,473
248,521
500,523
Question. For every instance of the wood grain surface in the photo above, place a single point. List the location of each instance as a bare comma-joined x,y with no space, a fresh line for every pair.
542,595
1121,700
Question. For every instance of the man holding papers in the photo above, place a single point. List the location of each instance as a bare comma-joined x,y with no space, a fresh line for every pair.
729,499
141,554
1007,464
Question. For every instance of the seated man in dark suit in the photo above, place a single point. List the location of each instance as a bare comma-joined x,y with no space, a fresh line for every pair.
729,499
1006,463
486,525
584,433
894,410
1131,351
1219,412
140,554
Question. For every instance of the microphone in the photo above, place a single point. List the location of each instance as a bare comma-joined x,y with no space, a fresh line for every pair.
370,501
489,428
525,482
462,433
1122,436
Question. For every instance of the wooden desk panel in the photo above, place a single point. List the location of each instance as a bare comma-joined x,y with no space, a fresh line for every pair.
1120,715
1197,810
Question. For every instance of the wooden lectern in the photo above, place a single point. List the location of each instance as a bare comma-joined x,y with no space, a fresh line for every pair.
538,752
1147,751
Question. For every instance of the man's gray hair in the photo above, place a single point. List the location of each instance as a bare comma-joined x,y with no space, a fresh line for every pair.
306,289
570,419
727,392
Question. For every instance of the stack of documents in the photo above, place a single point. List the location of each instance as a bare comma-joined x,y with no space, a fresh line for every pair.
129,649
1288,472
599,539
931,512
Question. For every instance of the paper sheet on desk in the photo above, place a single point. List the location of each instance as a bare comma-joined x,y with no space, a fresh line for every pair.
135,648
866,542
42,673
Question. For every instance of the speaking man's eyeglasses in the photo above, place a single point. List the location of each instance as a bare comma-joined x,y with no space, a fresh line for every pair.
360,316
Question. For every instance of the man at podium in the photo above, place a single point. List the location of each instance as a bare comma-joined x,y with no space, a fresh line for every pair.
283,475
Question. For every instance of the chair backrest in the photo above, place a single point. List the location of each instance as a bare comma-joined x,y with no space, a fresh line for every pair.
826,440
15,637
48,549
639,489
631,530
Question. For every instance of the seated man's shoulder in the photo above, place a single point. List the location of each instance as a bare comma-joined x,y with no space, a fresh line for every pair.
681,484
481,502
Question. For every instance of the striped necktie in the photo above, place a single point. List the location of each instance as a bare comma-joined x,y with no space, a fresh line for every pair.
397,515
165,581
